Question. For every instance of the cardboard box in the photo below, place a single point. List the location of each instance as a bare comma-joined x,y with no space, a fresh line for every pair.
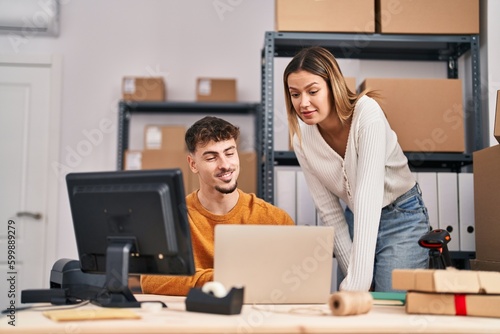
165,137
216,90
351,83
450,291
426,114
453,304
487,202
247,181
446,281
325,16
160,159
428,16
143,89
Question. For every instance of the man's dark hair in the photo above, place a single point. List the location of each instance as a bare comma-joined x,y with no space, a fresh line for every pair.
208,129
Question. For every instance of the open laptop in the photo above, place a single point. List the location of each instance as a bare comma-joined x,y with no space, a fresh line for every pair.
276,264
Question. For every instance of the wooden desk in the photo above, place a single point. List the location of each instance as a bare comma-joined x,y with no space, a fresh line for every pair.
257,319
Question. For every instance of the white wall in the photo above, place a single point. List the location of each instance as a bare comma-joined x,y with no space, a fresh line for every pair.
101,41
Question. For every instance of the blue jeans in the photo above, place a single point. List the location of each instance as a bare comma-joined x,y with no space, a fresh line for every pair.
402,223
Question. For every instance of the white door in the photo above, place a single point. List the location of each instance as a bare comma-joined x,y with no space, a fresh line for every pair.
29,143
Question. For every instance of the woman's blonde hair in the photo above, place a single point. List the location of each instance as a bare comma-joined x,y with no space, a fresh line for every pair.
319,61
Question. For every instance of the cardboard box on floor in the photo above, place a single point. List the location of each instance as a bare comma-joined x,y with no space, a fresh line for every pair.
426,114
427,17
325,15
450,291
487,200
143,89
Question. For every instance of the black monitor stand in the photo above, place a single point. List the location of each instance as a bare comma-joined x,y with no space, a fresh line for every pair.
117,292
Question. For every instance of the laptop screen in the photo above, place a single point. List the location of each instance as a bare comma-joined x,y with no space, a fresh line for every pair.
275,264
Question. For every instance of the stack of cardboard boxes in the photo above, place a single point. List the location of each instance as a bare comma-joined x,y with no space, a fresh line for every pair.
450,291
426,114
379,16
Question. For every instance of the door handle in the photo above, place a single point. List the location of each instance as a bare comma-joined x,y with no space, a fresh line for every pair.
34,215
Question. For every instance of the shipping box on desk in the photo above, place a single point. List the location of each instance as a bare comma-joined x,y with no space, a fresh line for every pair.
426,114
446,281
450,291
478,305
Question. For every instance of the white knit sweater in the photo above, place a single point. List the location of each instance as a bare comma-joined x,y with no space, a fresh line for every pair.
373,173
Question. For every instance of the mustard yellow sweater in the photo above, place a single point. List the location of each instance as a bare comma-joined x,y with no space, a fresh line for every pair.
249,210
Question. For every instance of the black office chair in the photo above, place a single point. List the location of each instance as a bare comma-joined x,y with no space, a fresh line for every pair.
436,241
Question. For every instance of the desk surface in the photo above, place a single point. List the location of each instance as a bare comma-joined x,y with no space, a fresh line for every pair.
256,319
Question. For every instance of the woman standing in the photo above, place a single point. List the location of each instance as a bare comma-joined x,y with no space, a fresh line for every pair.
348,152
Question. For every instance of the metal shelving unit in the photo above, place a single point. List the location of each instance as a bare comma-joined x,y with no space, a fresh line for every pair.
128,108
445,48
418,161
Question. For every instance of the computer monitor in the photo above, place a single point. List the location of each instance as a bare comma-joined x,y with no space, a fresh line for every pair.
130,222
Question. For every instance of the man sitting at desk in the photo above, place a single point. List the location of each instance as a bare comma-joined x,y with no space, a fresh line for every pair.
213,155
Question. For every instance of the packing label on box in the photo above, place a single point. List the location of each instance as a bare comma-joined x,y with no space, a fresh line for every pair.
129,85
153,138
133,160
205,87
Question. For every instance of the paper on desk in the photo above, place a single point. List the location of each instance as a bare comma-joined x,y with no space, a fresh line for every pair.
389,298
90,314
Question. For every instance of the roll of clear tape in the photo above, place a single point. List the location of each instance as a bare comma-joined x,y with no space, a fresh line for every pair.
216,289
350,302
151,307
